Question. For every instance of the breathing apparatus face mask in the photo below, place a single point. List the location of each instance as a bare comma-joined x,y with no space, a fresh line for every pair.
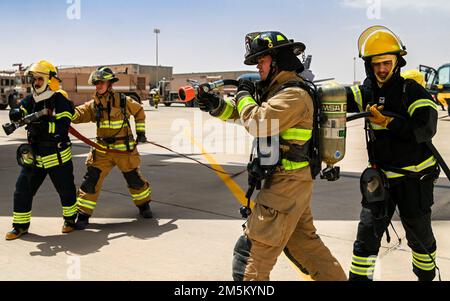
25,156
373,190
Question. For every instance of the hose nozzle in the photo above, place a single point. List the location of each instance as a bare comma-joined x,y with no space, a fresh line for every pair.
189,93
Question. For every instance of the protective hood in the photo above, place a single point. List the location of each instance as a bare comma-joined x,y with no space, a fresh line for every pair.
385,58
286,60
394,74
43,96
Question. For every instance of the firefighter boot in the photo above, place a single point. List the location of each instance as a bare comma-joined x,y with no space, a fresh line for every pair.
82,221
145,211
16,233
69,226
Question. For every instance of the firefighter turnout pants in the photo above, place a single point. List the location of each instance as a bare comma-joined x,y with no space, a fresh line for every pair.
414,199
282,221
28,183
99,166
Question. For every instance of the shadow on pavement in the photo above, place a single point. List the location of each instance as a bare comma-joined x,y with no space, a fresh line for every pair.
97,236
190,191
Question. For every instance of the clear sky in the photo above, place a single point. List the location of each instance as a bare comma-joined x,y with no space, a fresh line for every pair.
200,36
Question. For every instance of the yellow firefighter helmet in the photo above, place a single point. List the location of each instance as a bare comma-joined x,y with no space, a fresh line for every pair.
379,40
46,70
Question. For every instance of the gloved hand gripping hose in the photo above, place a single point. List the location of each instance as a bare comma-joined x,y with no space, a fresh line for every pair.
189,93
429,144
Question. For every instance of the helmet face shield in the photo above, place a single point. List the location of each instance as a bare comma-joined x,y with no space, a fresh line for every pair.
102,74
365,35
249,38
379,40
43,68
33,76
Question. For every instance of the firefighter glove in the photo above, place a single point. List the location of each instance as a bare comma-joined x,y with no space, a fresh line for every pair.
16,115
378,118
208,102
141,138
246,85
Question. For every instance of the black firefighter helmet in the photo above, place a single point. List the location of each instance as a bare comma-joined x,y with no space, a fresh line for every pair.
283,51
102,74
266,43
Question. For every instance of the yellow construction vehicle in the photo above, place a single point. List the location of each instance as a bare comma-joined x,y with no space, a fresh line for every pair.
438,83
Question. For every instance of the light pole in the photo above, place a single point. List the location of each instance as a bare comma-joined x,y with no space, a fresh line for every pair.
157,31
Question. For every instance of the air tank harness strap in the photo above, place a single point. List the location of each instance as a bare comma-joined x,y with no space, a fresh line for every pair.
123,109
98,113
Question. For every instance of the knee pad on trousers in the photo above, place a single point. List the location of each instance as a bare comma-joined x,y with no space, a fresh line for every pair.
91,179
240,257
134,180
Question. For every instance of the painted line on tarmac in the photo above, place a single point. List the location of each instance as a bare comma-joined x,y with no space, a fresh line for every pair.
300,273
235,189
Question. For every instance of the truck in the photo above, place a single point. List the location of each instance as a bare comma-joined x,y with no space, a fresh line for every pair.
438,83
167,96
7,92
14,86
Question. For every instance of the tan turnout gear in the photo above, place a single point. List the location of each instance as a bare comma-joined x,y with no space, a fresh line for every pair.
282,219
113,132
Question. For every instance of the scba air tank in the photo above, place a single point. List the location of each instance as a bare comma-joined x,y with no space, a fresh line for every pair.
333,128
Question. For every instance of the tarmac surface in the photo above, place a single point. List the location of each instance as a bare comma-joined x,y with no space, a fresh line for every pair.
197,220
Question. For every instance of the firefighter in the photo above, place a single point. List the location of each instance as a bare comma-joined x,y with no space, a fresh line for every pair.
111,111
48,151
156,98
281,219
403,169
